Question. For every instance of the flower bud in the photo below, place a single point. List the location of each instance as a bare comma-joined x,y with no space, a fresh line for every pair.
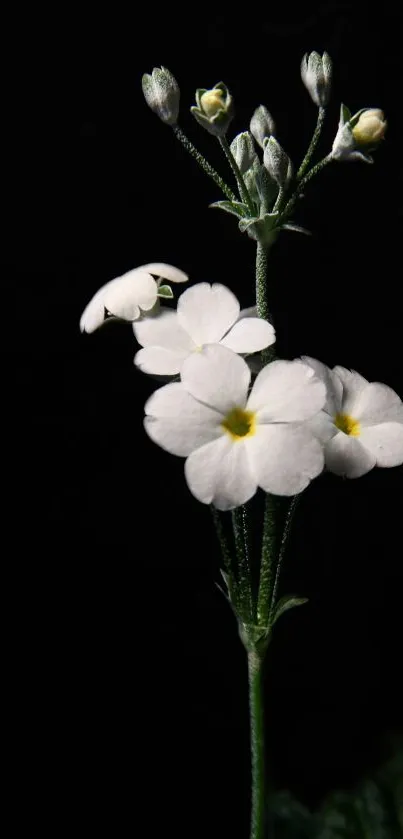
161,92
262,124
316,74
359,134
277,162
214,109
243,151
370,128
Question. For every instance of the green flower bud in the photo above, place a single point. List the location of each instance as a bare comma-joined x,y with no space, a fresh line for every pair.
161,92
214,109
243,151
277,162
316,74
262,124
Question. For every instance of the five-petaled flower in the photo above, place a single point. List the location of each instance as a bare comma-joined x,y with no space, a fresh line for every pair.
235,443
206,314
361,424
127,296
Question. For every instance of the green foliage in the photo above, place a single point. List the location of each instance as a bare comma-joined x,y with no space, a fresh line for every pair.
372,811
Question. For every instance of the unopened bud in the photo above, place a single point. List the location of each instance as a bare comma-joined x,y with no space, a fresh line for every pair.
161,92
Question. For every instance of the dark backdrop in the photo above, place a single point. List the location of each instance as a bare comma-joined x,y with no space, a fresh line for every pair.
128,680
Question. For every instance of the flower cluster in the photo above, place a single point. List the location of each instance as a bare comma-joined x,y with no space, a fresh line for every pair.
276,433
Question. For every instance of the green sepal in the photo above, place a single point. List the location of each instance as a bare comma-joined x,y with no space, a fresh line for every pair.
165,291
254,638
235,208
296,228
355,118
345,114
263,230
199,93
286,603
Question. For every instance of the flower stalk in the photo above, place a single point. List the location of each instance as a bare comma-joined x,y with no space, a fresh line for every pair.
203,163
237,172
255,673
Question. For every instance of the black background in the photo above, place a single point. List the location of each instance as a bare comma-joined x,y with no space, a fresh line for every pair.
128,681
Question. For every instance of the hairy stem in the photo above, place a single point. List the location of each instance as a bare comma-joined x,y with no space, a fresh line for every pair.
203,163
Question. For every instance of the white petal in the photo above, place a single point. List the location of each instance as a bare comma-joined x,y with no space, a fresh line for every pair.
345,455
286,391
177,422
376,403
384,442
353,383
217,376
219,473
249,335
284,458
134,289
94,313
168,272
163,330
159,361
207,312
250,312
334,386
322,426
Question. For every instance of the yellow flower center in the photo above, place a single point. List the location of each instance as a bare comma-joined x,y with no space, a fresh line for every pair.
212,101
240,423
347,424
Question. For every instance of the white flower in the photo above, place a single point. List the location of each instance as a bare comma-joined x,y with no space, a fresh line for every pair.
205,315
234,443
361,424
125,296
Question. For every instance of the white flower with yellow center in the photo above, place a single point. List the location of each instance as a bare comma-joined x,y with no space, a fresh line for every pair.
235,443
126,296
361,424
206,314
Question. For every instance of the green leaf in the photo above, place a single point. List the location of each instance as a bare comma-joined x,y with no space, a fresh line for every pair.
165,291
235,208
286,603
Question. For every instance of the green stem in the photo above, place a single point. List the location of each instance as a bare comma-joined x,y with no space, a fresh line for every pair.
225,550
243,567
203,163
279,199
266,563
312,172
284,542
262,303
312,146
238,175
255,668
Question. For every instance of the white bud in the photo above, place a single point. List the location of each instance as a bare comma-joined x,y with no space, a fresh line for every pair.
277,162
316,74
243,151
262,124
161,92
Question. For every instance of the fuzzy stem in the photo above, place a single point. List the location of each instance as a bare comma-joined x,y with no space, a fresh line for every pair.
312,172
238,175
284,542
203,163
255,667
312,145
